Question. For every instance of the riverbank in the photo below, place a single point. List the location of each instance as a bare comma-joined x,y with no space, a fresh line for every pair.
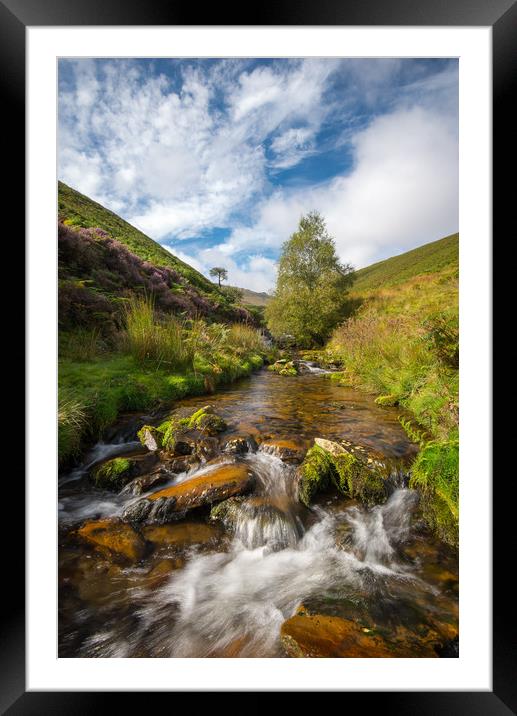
92,393
402,345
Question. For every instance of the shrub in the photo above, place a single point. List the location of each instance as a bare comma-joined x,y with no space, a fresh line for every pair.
161,343
71,421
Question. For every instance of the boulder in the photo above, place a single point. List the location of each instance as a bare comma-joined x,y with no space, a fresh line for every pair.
240,444
114,538
352,469
173,502
324,636
290,451
151,437
117,472
180,535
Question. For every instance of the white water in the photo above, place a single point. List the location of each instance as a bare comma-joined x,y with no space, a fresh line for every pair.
240,598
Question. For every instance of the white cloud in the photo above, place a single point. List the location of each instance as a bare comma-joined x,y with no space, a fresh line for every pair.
402,192
179,159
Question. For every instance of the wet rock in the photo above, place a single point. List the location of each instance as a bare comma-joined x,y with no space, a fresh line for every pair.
207,448
290,451
151,437
240,444
114,474
142,484
114,538
330,637
160,573
180,535
284,367
172,502
185,428
351,469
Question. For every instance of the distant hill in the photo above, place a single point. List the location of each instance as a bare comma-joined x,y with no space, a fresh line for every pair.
254,298
427,259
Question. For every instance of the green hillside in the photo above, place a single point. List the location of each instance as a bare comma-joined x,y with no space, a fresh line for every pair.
428,259
75,209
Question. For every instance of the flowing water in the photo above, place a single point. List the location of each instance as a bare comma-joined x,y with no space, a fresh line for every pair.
226,592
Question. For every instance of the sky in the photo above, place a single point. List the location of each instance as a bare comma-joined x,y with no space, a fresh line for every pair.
218,160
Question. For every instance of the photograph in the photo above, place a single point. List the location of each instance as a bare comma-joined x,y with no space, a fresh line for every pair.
258,357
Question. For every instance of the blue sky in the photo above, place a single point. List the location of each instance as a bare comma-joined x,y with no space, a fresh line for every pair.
218,159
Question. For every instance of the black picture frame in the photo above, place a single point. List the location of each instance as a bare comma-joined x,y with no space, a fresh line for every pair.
501,15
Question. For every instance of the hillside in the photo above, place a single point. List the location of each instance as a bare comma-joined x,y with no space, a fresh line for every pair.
427,259
76,209
254,298
103,261
402,344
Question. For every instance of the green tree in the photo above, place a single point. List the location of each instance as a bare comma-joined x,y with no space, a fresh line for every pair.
221,273
311,291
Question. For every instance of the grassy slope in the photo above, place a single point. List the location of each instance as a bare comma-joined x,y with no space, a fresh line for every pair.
402,344
98,380
82,211
427,259
254,298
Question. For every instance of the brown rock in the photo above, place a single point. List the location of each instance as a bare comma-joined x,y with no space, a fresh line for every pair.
168,504
330,637
291,451
180,535
114,538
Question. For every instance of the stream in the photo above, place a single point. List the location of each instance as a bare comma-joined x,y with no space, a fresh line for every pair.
338,579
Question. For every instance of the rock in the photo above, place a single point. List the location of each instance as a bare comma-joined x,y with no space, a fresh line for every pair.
290,451
185,427
207,448
330,637
351,469
150,437
172,502
142,484
114,538
240,444
117,472
180,535
284,367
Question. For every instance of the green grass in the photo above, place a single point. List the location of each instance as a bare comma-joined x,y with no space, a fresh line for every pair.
402,344
78,210
95,391
156,342
427,259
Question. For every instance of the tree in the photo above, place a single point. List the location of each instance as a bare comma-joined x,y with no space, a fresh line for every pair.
221,273
310,298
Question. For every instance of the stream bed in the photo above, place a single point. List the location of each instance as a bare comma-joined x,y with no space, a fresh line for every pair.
337,580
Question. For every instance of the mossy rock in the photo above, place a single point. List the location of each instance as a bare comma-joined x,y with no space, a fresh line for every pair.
315,474
387,401
358,479
284,367
113,474
353,473
181,421
151,437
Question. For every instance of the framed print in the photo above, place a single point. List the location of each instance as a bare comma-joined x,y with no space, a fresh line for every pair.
259,353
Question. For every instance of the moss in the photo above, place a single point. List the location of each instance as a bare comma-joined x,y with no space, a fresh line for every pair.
387,400
316,473
435,472
210,424
113,474
359,479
